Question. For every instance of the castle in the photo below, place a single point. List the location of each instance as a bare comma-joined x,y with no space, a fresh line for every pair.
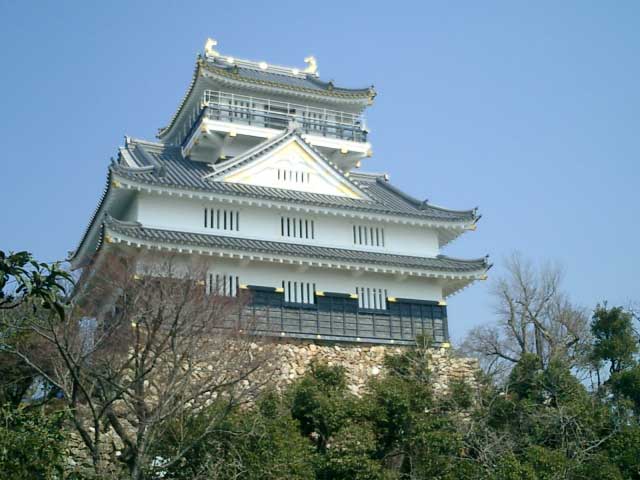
257,179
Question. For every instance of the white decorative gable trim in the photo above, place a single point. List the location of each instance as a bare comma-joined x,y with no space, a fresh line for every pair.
288,162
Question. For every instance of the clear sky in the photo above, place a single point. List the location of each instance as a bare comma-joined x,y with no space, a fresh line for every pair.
529,110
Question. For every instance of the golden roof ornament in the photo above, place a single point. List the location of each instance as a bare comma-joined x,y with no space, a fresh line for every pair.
209,50
312,65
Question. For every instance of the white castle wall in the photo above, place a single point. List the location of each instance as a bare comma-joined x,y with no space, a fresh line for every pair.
329,280
183,214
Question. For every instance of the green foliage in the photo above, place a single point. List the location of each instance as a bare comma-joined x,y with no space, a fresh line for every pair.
615,340
626,384
25,287
31,444
261,443
549,464
320,402
623,450
22,278
349,455
509,467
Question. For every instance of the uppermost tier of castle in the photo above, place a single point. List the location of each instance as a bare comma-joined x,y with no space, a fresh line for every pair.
232,105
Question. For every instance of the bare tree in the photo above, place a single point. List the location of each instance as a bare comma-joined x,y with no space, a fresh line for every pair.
143,344
534,316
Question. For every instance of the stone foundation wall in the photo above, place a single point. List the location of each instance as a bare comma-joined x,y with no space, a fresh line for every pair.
286,362
291,360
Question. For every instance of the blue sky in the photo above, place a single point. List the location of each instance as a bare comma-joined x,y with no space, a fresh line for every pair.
529,110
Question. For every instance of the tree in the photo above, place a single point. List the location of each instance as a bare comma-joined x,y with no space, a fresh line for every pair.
26,287
615,341
617,344
142,344
259,442
31,444
534,316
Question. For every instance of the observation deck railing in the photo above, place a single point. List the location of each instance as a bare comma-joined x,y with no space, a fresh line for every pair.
264,112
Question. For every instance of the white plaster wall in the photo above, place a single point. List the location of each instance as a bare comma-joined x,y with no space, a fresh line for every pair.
267,274
157,211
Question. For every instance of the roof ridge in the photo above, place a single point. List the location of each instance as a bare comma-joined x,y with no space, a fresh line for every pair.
420,205
110,220
133,170
143,141
250,153
484,259
372,175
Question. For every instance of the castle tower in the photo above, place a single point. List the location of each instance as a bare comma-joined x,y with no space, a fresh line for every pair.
256,177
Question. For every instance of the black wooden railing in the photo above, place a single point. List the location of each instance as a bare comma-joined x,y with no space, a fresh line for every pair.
336,316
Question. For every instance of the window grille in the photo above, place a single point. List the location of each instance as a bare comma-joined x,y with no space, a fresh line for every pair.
368,236
221,219
224,284
299,292
293,176
297,227
372,298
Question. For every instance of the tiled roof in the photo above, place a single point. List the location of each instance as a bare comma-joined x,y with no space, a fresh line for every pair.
171,169
301,81
133,230
307,84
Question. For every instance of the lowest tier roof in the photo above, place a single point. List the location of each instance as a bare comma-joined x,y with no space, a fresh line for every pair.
441,263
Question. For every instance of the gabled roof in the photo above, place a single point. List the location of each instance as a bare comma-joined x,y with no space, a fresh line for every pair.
169,168
290,135
441,263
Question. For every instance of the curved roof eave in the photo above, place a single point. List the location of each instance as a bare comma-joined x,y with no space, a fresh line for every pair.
441,265
74,255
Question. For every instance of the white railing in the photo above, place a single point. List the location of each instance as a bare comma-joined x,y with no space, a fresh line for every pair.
253,108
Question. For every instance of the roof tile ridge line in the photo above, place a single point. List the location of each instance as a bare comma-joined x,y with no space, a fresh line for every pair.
372,175
417,203
163,130
360,94
150,143
284,72
484,260
113,221
149,159
272,68
248,154
134,170
317,80
279,242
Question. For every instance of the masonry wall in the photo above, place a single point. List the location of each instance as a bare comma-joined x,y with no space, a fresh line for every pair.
290,360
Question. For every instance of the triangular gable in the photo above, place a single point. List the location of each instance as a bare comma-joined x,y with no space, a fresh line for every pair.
288,162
